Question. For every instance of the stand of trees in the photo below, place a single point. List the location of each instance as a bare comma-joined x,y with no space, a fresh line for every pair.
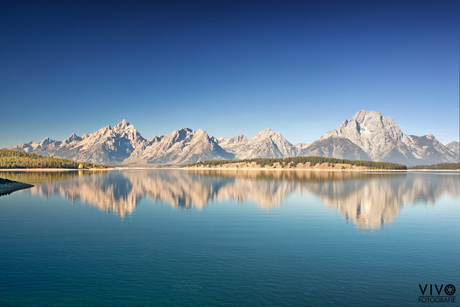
454,166
42,176
17,159
313,161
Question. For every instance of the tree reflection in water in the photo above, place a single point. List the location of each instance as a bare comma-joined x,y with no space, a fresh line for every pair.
367,199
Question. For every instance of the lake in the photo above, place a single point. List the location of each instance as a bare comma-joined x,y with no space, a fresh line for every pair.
234,238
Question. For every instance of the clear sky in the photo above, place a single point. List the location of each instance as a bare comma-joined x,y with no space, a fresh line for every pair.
227,67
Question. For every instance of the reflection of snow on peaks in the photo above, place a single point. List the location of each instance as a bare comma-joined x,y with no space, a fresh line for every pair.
369,200
93,190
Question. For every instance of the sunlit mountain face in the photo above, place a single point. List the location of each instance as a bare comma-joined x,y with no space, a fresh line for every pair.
368,200
367,136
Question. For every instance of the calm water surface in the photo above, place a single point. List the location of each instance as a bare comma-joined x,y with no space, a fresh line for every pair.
170,237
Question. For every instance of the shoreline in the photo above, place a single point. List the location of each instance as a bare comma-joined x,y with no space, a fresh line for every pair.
321,170
318,170
289,169
9,186
224,169
51,169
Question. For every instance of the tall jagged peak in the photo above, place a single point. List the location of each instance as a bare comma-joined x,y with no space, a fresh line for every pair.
360,116
266,144
103,129
182,131
72,138
127,130
179,135
373,118
266,133
377,135
123,125
269,134
200,133
46,141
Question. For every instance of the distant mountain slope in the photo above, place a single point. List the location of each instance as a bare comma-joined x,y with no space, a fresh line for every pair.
266,144
374,134
429,150
454,147
340,148
107,145
383,140
180,147
233,145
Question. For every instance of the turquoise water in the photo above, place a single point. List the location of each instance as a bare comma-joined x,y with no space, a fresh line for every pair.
151,237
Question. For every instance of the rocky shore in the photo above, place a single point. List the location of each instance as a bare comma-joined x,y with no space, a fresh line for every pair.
9,186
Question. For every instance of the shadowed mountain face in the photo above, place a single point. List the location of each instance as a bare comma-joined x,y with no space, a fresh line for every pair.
339,148
368,136
368,200
455,148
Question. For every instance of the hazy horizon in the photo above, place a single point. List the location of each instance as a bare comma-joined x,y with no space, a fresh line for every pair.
230,67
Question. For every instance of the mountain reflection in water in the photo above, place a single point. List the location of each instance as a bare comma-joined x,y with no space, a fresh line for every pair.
367,199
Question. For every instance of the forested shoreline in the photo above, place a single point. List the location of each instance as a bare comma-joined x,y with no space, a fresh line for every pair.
293,162
12,159
441,166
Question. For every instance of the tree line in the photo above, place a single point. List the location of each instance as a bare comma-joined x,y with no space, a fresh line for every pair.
18,159
438,166
312,160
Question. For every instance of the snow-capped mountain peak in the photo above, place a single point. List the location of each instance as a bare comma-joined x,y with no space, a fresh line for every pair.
266,144
367,136
72,138
382,139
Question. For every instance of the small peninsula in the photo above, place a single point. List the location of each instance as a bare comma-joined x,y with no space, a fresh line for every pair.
297,163
9,186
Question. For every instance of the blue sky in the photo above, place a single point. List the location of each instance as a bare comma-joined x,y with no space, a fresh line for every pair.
227,67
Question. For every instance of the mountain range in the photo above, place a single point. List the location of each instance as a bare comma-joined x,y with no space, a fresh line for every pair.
367,136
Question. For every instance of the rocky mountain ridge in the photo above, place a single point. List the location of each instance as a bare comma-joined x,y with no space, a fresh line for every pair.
382,140
454,147
107,145
180,147
367,136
